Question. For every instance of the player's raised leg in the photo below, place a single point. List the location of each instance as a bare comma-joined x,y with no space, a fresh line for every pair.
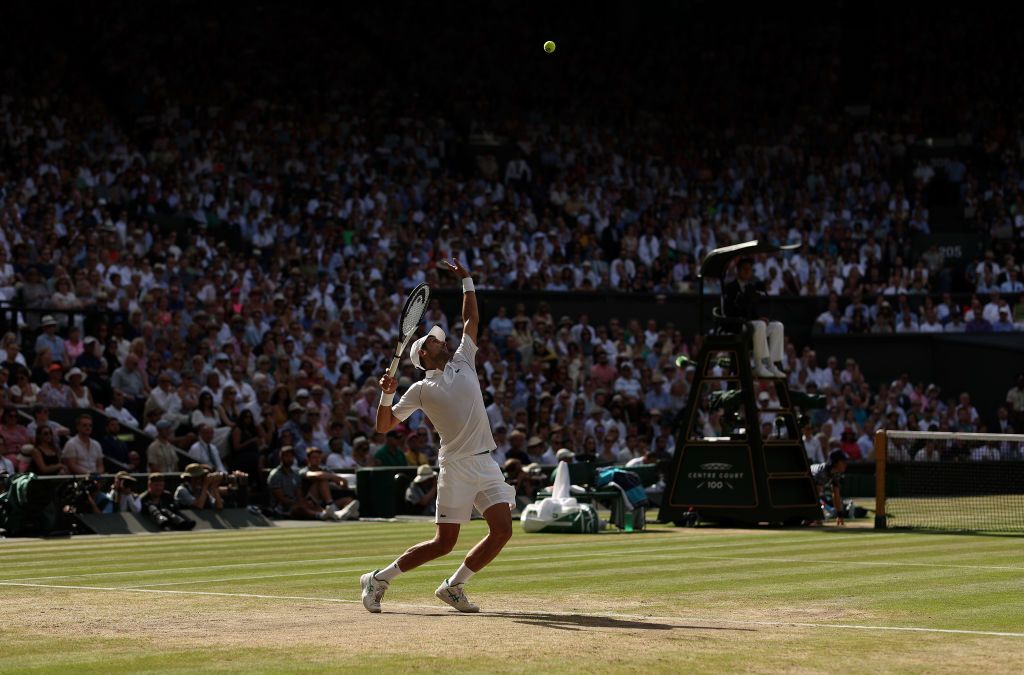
499,523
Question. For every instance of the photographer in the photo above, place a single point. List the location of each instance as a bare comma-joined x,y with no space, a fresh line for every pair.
200,488
160,507
122,497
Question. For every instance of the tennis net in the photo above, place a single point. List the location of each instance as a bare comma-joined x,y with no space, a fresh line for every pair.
950,481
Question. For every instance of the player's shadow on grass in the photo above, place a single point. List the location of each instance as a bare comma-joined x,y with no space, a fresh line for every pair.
577,622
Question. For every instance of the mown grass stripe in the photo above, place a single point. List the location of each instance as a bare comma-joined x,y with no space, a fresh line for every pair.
593,545
594,548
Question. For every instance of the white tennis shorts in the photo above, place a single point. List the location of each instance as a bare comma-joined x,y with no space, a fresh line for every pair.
467,482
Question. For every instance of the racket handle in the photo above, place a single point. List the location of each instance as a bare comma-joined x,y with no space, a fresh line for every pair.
394,366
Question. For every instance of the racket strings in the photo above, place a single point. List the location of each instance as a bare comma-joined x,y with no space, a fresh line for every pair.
414,312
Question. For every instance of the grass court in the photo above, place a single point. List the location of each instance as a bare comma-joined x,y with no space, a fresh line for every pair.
666,600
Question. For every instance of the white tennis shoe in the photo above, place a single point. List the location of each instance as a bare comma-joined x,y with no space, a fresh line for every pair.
455,596
373,591
349,512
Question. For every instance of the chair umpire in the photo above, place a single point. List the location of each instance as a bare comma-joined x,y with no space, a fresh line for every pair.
739,300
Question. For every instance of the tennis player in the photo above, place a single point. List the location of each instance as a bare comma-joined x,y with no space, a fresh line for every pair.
450,396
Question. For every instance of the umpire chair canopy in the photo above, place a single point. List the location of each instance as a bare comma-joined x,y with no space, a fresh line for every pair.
716,262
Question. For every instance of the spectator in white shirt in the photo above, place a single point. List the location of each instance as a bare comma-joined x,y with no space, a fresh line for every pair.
812,445
166,397
626,384
1013,284
81,453
205,451
117,410
931,323
906,324
991,311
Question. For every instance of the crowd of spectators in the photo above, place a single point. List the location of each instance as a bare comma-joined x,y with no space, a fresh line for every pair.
248,246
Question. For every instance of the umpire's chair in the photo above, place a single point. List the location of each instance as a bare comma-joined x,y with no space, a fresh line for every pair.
740,473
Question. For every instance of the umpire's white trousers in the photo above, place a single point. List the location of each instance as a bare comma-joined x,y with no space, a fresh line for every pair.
767,341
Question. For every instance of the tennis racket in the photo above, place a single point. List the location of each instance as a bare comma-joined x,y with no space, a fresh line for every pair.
415,305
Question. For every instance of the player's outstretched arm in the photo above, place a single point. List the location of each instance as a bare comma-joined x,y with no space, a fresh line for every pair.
470,312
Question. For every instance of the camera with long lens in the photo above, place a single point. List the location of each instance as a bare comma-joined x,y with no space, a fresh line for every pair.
167,519
75,496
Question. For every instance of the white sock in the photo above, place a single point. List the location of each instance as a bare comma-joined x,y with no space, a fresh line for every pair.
388,573
461,576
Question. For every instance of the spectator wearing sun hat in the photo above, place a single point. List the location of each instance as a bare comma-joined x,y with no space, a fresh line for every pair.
79,395
539,452
53,393
48,339
361,455
421,495
92,363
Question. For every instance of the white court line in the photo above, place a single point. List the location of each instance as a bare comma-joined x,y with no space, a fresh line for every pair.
677,619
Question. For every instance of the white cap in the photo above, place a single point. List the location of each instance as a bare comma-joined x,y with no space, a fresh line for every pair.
414,351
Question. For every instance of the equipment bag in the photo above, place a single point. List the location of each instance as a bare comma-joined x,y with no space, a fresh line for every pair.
577,519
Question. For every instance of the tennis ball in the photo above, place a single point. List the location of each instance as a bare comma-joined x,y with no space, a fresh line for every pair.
549,47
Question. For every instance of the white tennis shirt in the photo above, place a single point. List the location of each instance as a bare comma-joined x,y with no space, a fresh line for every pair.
452,399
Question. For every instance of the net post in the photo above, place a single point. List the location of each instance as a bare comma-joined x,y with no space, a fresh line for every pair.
881,453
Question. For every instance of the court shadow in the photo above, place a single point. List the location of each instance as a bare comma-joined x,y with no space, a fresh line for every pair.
576,622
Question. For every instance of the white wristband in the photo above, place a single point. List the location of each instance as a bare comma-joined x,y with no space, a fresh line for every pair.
387,399
467,285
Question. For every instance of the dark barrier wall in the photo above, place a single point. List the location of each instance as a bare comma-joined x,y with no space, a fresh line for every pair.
797,313
984,365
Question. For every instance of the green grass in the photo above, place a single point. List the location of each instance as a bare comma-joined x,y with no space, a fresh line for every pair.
992,513
667,600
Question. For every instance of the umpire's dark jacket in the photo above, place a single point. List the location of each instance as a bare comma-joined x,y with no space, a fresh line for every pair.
740,302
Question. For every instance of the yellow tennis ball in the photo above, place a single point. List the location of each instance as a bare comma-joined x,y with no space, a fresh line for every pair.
549,47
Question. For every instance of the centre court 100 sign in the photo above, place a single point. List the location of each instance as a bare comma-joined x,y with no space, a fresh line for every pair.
719,475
